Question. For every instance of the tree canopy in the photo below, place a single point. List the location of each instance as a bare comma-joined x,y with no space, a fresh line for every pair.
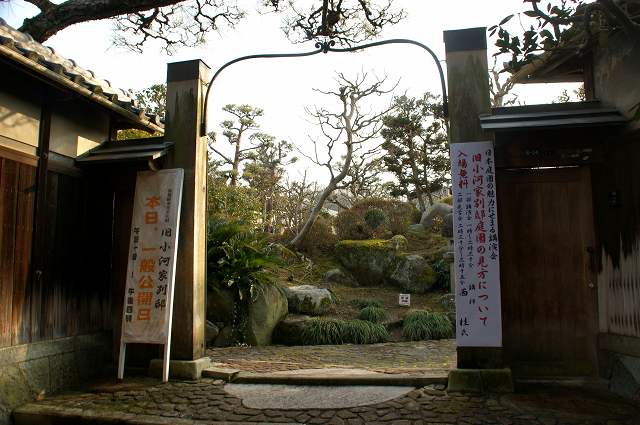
179,23
416,147
546,26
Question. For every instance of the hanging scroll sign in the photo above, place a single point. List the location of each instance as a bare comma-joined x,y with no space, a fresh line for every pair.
475,236
148,298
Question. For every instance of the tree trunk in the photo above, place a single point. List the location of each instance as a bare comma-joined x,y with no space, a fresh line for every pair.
236,164
315,212
416,180
60,16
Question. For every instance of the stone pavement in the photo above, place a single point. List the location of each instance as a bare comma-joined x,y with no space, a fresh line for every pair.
395,357
206,401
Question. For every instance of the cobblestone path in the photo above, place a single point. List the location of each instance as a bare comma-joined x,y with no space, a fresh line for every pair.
206,400
397,357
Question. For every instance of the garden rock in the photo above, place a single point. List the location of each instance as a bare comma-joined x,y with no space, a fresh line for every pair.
337,276
219,305
225,337
308,299
264,315
211,331
413,274
377,262
417,228
447,226
438,209
367,260
289,331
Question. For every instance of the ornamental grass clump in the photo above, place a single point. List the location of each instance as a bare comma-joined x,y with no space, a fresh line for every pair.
420,325
324,331
373,314
367,302
364,332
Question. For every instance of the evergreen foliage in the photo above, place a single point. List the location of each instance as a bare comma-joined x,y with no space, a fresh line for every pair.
238,259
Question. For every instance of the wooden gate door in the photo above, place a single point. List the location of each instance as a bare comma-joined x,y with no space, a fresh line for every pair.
549,297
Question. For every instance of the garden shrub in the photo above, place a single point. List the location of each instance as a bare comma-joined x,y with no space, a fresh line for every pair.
421,325
367,302
443,273
238,260
321,238
375,218
364,332
326,331
352,224
373,314
232,204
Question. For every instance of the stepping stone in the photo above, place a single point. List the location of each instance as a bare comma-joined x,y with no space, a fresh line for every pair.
297,397
220,372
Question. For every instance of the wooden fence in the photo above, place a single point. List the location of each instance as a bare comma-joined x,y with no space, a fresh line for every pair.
69,292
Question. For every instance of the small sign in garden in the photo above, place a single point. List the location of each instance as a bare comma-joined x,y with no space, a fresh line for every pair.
148,299
404,300
475,235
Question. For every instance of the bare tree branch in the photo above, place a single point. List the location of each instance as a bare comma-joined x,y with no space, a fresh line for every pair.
347,129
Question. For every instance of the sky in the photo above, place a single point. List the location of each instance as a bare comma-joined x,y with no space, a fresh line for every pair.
284,87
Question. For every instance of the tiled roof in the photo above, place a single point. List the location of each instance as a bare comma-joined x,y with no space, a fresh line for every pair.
22,48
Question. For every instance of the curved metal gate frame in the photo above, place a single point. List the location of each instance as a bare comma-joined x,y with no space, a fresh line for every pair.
325,47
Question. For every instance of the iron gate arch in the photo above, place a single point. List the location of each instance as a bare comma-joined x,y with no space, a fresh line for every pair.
325,47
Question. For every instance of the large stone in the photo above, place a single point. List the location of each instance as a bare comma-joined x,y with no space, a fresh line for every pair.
438,209
219,305
308,299
367,260
268,309
225,337
289,331
211,331
413,274
417,228
180,369
338,276
381,262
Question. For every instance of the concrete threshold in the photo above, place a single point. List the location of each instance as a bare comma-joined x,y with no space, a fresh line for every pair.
400,380
38,414
593,383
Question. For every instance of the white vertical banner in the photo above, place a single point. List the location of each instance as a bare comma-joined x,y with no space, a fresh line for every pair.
148,298
476,256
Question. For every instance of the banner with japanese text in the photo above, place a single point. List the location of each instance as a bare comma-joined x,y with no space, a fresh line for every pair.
148,298
476,256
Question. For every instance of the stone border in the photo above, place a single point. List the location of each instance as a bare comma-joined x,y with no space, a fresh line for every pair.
37,414
31,371
40,349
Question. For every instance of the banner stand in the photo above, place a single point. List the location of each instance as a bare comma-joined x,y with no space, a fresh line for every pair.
148,299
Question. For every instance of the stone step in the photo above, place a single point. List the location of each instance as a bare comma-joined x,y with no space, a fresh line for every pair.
42,414
348,377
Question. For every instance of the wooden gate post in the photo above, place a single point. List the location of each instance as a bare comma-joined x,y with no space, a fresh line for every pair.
468,82
185,90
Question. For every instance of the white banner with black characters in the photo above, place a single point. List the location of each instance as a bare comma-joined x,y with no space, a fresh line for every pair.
152,253
475,233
